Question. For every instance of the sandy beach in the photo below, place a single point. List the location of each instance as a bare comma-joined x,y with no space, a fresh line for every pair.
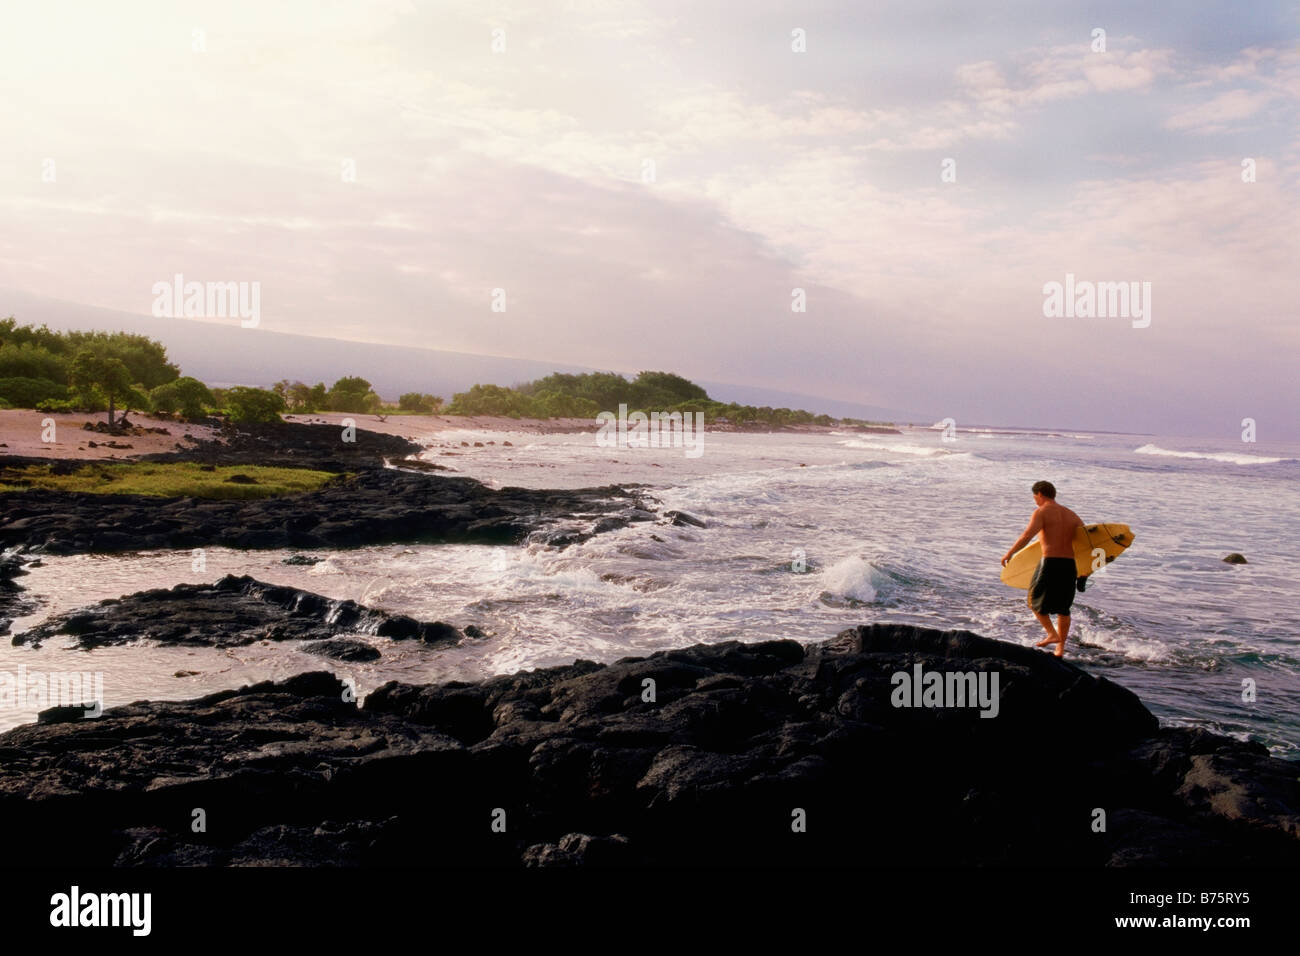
21,430
21,433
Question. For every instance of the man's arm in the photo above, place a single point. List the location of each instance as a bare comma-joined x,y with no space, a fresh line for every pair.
1035,526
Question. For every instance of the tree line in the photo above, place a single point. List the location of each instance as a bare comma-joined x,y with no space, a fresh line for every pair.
87,371
585,395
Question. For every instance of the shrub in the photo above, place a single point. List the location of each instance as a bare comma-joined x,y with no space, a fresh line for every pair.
186,395
23,392
251,406
63,405
28,360
419,402
350,394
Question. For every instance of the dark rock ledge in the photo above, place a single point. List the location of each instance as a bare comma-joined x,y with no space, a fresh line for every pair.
372,505
294,445
587,772
14,601
232,612
376,506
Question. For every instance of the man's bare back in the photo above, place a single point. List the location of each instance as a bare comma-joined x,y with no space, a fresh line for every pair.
1056,525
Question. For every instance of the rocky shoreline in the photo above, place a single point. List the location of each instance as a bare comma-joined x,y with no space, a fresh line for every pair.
372,504
293,445
767,754
705,756
14,600
233,612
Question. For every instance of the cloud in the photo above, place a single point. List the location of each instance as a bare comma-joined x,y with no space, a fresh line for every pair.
1220,113
523,171
1070,71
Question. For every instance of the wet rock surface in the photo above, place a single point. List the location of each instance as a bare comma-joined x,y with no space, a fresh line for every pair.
294,445
375,506
343,649
371,504
709,755
14,601
235,611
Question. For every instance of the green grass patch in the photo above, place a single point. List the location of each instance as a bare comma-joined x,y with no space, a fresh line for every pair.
165,479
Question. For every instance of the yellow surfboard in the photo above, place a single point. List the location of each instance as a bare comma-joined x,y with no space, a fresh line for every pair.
1112,539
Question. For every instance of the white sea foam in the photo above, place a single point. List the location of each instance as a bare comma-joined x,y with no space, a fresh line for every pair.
857,579
771,564
925,451
1234,458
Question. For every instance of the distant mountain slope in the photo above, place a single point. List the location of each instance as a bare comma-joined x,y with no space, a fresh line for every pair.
224,354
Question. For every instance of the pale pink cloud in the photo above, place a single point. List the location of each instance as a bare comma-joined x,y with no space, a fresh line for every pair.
1219,113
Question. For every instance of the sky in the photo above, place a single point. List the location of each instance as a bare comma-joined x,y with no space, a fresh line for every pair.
650,182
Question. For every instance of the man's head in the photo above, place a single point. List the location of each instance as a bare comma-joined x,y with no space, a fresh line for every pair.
1043,491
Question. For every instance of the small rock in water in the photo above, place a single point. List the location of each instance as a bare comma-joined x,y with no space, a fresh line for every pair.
1236,558
680,518
186,674
300,559
65,715
343,650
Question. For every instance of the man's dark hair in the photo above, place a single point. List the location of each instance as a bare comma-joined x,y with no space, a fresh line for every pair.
1044,488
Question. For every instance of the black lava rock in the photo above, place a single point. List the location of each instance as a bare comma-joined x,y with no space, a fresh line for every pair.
754,754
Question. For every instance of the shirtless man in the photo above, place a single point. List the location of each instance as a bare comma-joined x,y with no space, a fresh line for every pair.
1052,589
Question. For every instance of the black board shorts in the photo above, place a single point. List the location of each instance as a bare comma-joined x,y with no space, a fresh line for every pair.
1051,589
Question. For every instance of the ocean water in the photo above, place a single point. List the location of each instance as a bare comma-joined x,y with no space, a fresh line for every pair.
807,534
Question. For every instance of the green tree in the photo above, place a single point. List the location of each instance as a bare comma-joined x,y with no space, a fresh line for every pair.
349,394
551,404
419,402
135,398
33,360
606,389
145,359
186,395
653,391
490,400
250,406
11,333
22,392
298,396
104,373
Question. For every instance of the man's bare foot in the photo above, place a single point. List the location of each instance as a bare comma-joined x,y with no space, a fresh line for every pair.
1060,649
1048,640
